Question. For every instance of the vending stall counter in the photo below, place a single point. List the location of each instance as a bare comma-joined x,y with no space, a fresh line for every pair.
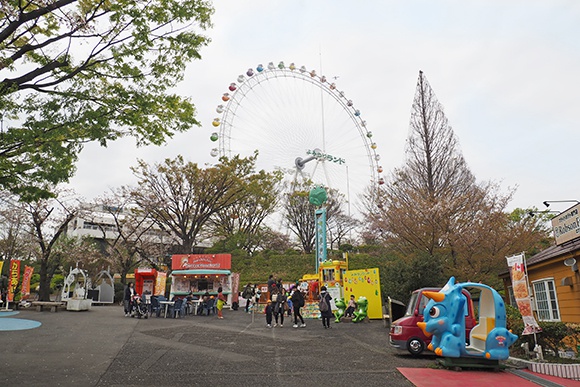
197,274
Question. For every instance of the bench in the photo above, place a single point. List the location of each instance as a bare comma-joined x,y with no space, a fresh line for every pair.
486,325
40,305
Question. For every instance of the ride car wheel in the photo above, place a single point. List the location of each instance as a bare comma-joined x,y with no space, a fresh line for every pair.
415,346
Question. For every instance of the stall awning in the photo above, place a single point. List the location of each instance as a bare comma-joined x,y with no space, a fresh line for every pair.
201,271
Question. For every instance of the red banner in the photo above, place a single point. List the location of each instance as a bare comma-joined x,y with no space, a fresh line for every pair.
201,261
13,279
25,291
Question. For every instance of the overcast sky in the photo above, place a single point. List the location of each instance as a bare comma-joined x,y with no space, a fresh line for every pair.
506,72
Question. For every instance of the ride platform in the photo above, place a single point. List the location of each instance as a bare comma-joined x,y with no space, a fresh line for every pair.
459,363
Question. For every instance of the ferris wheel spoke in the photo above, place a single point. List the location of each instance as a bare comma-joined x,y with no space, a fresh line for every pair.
289,112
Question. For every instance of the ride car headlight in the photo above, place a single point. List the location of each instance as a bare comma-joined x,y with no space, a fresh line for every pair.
397,330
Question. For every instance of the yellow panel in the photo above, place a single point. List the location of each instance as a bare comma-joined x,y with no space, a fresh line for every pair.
366,283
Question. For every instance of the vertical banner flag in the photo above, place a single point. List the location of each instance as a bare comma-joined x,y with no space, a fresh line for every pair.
320,219
25,291
160,284
13,279
521,293
1,264
235,287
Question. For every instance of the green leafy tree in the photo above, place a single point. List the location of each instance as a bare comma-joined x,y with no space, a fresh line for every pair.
181,198
94,70
242,223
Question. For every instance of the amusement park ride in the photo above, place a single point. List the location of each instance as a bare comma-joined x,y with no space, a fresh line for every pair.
443,318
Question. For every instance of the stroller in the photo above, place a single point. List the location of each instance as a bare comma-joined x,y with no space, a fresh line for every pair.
138,307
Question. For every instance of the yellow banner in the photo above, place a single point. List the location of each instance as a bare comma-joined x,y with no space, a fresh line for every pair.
13,279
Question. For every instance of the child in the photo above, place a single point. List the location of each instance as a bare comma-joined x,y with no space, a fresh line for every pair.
350,307
268,311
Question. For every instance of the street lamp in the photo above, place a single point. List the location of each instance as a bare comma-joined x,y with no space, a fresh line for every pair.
532,213
547,202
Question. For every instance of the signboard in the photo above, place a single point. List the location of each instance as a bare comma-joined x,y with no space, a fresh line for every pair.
201,261
365,283
521,293
566,225
320,218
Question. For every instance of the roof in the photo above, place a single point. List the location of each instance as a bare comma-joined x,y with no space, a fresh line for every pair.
550,252
200,271
554,251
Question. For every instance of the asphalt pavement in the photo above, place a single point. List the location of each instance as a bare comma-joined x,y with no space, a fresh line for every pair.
101,347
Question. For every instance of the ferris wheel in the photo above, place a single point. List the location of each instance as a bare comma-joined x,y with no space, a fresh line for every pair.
300,123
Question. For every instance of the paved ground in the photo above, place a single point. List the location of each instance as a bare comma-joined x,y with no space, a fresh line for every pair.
101,347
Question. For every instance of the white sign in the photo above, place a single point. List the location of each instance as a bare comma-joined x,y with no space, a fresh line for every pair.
566,225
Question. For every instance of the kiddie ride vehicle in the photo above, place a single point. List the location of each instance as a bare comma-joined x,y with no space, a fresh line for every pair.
405,335
489,340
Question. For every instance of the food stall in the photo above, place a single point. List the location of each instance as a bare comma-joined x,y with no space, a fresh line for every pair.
149,282
201,273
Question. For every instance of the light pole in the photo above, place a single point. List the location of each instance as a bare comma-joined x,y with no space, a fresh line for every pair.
547,202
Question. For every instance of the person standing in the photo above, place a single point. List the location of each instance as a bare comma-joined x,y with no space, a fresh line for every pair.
221,301
129,293
271,282
279,305
257,294
248,294
268,313
324,305
297,303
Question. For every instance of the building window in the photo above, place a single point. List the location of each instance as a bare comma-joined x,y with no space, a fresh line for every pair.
546,300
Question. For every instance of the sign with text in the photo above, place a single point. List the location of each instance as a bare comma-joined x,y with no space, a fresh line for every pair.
566,225
521,293
25,291
13,279
201,261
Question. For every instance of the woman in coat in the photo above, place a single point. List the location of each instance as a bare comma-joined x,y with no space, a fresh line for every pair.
278,308
325,314
129,293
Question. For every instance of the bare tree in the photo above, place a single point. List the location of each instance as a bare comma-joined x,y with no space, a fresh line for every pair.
300,214
129,235
49,220
15,241
433,204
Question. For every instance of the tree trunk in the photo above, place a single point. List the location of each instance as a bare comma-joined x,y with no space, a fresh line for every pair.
44,291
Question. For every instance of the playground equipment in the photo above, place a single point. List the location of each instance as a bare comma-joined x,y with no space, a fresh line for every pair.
104,292
444,319
341,307
76,297
361,309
